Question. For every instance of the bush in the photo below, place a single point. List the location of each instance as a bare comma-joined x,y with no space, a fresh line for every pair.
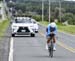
71,21
0,16
46,18
1,0
68,17
37,18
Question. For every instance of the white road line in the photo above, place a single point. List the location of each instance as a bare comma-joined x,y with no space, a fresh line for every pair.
11,50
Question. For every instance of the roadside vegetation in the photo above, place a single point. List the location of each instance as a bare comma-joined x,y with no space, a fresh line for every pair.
69,29
62,28
66,19
3,27
34,8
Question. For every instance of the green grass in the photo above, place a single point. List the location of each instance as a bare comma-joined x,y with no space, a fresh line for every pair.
69,28
44,23
3,27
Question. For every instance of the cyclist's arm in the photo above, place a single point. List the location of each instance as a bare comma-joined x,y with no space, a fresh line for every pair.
55,32
48,30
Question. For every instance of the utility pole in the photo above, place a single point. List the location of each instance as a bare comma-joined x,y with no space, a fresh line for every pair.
11,8
60,10
49,10
42,10
4,8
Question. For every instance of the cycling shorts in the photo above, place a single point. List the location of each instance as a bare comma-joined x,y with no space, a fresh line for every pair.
49,36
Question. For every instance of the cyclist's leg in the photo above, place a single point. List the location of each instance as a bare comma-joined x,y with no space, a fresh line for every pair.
54,39
48,41
54,42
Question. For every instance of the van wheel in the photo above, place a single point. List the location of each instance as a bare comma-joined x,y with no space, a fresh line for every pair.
32,35
36,31
13,35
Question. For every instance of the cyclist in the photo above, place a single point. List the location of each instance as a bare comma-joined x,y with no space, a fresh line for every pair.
51,30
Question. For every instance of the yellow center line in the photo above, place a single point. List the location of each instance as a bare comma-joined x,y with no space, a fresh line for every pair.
66,47
62,44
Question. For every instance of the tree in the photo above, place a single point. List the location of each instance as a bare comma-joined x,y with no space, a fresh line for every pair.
72,21
69,17
1,0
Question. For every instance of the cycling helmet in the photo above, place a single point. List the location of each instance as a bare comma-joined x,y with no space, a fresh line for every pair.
53,24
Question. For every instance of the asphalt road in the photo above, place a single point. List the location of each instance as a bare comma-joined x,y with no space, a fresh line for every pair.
33,48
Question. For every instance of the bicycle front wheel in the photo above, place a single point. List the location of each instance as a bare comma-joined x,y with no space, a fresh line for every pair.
51,50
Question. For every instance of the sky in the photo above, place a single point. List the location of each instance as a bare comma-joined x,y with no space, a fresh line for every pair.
70,0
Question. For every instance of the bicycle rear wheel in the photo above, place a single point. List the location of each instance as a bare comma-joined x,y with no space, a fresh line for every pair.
51,50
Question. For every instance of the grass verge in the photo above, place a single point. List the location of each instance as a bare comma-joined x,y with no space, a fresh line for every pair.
3,27
69,28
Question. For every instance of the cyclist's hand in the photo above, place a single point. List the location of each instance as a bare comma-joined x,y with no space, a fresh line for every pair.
52,32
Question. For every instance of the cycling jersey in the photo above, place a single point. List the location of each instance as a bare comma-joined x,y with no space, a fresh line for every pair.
50,29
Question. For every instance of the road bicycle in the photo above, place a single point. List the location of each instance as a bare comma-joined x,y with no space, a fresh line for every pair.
50,46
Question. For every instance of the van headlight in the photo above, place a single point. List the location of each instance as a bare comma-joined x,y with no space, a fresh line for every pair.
14,27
